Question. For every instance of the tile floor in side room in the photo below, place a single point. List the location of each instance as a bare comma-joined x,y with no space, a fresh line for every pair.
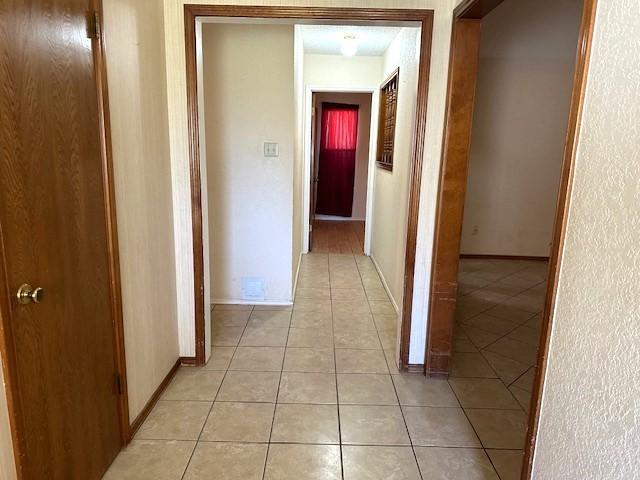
312,392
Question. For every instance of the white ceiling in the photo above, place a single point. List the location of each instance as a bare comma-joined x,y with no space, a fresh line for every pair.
327,39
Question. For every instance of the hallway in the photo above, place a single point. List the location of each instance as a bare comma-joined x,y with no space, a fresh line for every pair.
344,236
312,392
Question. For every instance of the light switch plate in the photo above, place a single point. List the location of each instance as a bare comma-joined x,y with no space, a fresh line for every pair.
271,149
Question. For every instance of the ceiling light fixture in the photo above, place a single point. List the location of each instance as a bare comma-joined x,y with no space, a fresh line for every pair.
349,46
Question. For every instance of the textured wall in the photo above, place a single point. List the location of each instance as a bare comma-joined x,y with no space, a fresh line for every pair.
248,98
142,168
527,61
391,189
590,423
176,85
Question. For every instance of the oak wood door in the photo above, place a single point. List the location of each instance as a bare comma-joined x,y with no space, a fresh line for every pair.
53,220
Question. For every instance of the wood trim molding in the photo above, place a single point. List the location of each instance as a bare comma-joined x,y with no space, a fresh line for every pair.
415,368
463,69
142,416
196,190
112,225
415,179
475,9
190,361
583,57
10,372
503,257
424,17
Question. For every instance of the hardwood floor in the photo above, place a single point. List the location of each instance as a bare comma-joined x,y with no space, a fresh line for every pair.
338,237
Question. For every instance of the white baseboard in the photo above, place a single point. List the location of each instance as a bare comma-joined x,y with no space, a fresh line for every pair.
295,280
333,218
385,285
232,301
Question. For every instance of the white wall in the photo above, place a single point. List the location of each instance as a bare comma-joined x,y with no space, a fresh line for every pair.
590,419
337,71
391,189
527,61
139,132
363,100
248,98
298,156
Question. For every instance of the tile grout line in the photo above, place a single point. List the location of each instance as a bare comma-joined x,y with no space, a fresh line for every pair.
483,448
393,384
224,376
275,405
335,370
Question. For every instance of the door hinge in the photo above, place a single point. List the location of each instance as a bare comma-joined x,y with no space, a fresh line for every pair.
118,383
311,227
93,25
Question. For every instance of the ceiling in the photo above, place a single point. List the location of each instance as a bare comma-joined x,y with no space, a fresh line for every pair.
327,39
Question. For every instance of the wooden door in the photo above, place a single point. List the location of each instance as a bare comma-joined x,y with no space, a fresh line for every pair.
53,219
314,169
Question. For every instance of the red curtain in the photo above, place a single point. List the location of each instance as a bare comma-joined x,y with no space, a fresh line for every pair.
337,160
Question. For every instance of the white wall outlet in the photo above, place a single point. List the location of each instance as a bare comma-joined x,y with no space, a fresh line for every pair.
271,149
476,230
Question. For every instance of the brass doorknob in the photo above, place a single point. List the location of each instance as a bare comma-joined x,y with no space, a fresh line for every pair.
27,294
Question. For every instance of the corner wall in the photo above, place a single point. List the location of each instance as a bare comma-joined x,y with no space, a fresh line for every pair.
248,100
135,59
525,76
590,418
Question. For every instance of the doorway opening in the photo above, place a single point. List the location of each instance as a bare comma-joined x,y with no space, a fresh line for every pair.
419,23
340,137
490,312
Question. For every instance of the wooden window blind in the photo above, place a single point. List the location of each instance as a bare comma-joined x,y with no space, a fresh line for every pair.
387,121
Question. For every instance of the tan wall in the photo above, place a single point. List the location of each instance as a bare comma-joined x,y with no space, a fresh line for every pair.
363,100
139,133
527,61
248,99
391,189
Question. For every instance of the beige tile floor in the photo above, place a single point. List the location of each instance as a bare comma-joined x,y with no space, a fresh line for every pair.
312,391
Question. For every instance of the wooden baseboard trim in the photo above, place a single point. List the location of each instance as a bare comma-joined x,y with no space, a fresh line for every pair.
191,361
503,257
137,423
415,368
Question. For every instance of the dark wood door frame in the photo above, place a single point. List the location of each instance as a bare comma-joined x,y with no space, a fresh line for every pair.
313,169
425,19
15,405
457,138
